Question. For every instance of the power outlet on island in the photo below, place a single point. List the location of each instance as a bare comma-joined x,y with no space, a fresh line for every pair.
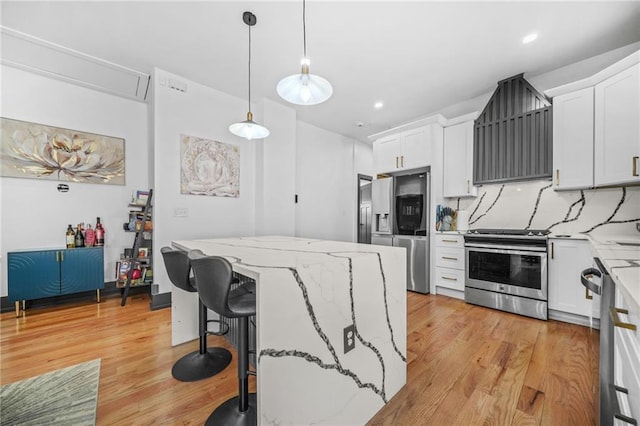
349,338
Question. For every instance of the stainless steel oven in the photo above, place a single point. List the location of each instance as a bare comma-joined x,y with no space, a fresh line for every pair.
507,270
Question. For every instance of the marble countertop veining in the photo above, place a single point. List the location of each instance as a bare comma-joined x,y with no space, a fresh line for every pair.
622,261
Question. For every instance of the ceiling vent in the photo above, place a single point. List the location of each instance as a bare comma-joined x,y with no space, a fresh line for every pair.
42,57
512,138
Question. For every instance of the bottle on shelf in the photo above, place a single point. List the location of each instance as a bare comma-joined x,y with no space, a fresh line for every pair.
71,237
89,236
99,233
79,238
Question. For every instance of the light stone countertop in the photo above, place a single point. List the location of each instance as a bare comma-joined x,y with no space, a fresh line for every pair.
309,292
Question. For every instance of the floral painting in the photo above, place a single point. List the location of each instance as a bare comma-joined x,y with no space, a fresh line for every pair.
209,167
31,150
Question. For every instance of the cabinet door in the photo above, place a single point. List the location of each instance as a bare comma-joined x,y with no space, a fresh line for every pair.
414,149
458,161
567,258
33,274
617,128
573,140
386,154
82,269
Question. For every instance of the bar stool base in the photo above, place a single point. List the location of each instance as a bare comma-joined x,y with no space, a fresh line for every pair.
228,413
196,366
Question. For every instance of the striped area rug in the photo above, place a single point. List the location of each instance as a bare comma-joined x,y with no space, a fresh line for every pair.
63,397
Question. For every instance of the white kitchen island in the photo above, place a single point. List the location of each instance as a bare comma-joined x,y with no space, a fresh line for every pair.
308,291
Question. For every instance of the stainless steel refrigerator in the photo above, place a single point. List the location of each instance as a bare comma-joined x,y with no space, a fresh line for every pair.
401,209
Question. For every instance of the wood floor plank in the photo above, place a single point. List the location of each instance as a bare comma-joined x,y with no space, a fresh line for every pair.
467,364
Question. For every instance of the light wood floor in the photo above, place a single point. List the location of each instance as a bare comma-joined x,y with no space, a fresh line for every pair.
467,365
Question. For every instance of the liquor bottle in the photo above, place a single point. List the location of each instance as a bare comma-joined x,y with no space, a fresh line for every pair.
79,238
89,236
71,237
99,233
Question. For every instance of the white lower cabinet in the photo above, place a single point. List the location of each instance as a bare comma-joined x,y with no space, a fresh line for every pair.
449,271
626,352
569,300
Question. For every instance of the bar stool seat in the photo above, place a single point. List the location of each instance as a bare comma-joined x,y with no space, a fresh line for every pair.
205,362
214,276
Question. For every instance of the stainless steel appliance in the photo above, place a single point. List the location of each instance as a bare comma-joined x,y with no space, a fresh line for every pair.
506,269
401,218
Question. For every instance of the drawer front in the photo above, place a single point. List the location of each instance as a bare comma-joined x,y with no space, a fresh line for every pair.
450,278
450,258
450,240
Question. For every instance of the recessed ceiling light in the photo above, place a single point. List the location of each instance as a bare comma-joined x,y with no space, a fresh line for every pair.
378,105
529,38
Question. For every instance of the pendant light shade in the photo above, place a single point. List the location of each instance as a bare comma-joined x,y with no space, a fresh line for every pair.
304,88
248,128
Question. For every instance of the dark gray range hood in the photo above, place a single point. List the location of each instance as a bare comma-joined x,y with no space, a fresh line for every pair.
512,138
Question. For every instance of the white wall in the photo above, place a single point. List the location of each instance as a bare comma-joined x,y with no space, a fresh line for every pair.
206,113
326,183
275,171
34,214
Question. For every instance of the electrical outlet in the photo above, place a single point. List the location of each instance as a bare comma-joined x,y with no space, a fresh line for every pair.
349,338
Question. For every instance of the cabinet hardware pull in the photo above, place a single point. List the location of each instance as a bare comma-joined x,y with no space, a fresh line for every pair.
449,258
449,278
57,256
449,241
634,166
61,256
402,161
552,250
396,162
468,186
587,295
613,311
557,176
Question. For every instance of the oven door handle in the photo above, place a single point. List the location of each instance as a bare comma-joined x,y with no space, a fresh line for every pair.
590,285
486,248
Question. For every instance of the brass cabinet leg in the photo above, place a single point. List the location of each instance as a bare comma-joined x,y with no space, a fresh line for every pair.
17,309
98,295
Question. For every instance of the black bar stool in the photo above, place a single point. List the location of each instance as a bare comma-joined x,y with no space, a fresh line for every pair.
205,362
214,277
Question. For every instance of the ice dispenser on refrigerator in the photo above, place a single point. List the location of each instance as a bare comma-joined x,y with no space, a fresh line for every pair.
381,193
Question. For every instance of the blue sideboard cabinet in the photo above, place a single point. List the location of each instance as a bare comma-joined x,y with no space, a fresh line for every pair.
34,274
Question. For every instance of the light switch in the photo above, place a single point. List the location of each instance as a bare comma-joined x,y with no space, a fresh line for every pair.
180,212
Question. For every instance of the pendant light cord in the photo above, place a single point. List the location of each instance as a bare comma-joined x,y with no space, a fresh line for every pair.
304,27
249,68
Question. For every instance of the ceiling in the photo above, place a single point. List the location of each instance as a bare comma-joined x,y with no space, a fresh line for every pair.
417,57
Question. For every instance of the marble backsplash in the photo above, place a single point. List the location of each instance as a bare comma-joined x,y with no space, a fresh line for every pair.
535,205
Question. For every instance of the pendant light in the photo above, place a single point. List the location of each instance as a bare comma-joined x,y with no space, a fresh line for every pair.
304,88
249,129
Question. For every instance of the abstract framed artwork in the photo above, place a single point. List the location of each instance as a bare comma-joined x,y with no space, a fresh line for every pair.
209,167
38,151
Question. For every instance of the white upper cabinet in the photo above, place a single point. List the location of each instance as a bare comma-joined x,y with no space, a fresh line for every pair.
573,140
414,149
617,128
596,128
458,161
386,154
405,150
